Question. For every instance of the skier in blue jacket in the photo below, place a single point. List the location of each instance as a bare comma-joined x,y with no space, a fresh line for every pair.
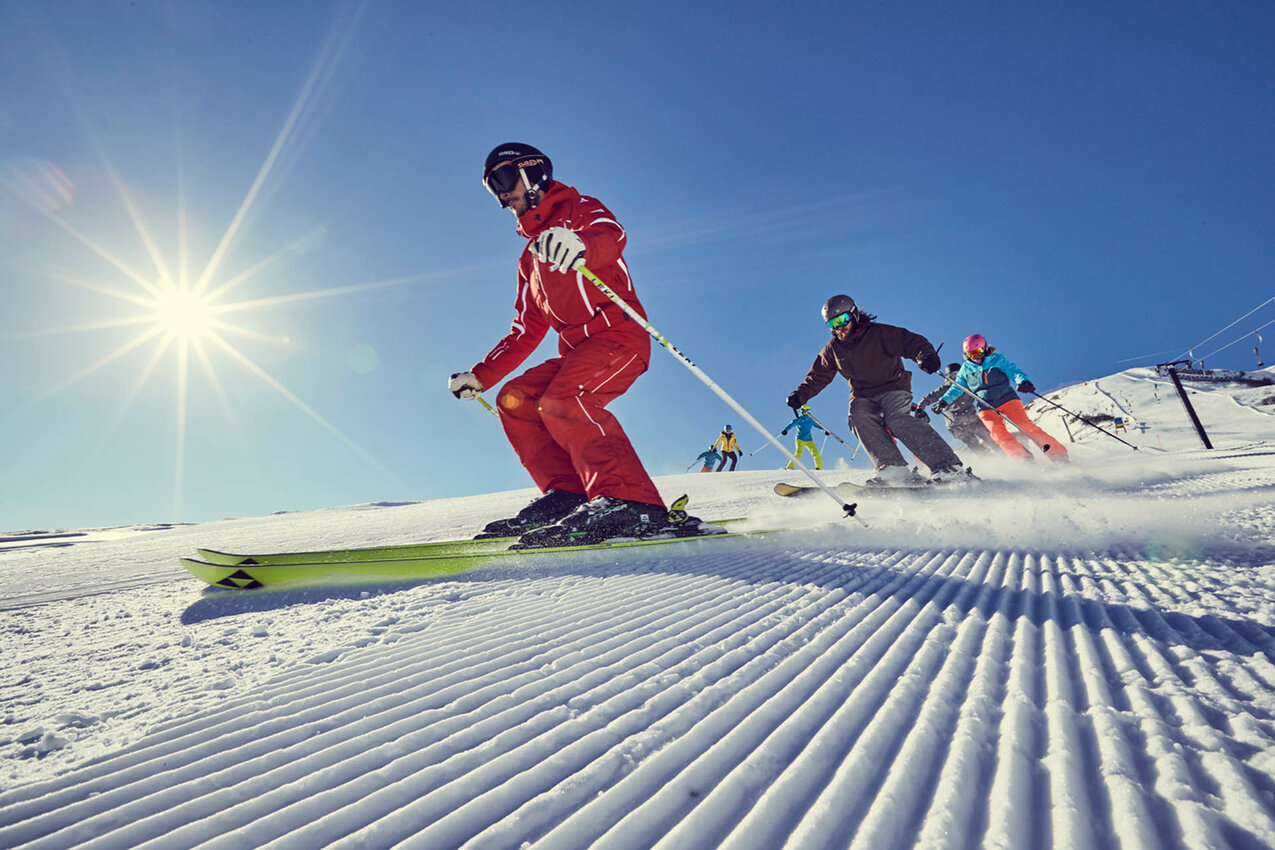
997,380
709,458
805,436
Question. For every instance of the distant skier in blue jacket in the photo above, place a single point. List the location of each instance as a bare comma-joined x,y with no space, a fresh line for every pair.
710,459
805,434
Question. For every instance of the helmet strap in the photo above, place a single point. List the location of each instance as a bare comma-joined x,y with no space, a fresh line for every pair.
533,192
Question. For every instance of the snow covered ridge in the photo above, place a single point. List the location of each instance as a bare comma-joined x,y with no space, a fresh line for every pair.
1148,405
1079,656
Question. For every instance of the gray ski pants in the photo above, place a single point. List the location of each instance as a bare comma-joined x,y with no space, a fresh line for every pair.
874,419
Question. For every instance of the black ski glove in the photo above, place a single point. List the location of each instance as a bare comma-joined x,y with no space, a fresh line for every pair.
919,413
930,363
939,406
1027,387
784,432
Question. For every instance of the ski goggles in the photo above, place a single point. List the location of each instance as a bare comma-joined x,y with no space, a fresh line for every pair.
840,321
502,178
506,175
976,353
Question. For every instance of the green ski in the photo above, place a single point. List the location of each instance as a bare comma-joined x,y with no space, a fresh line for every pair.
374,553
368,553
441,562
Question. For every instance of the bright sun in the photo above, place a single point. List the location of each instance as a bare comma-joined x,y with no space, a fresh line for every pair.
184,314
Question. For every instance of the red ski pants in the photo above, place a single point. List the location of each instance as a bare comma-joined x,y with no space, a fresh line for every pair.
1016,413
556,419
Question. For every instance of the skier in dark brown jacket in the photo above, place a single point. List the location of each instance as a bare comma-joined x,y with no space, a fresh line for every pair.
869,355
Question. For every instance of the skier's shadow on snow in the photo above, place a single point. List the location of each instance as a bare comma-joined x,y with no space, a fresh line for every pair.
216,603
882,573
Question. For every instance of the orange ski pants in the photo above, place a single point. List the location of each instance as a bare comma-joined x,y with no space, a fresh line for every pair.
1014,411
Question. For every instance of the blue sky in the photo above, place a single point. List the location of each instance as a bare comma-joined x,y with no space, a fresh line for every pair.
1089,185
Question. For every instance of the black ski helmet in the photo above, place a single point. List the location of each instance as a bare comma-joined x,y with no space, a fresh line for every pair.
952,368
514,161
838,304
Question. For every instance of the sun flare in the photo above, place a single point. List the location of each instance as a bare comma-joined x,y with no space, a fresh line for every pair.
183,314
177,313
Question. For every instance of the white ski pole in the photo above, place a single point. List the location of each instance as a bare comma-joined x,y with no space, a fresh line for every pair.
848,508
759,448
828,434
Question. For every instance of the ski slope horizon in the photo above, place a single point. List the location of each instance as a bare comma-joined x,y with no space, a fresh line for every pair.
1072,655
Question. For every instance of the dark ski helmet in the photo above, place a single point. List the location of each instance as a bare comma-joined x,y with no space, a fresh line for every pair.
514,161
952,368
838,305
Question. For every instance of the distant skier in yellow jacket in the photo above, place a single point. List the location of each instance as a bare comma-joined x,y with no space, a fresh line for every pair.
730,448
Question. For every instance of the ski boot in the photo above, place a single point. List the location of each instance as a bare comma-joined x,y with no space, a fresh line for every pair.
545,510
600,519
895,476
953,475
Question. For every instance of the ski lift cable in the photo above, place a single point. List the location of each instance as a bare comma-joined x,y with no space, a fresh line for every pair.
1227,328
1241,339
1155,355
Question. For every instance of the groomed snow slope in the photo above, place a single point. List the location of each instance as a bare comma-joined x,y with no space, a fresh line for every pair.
1079,656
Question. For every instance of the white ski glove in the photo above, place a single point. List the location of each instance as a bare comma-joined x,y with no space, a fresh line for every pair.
559,247
464,385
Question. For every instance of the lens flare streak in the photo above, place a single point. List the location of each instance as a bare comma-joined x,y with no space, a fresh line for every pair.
252,367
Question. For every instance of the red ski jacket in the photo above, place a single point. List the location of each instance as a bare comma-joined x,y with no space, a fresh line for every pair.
566,301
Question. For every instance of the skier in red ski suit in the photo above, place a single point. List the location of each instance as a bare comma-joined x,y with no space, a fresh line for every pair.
555,414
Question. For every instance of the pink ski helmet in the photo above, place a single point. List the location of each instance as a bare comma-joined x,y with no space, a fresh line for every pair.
974,342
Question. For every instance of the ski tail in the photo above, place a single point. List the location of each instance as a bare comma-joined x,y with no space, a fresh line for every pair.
846,489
